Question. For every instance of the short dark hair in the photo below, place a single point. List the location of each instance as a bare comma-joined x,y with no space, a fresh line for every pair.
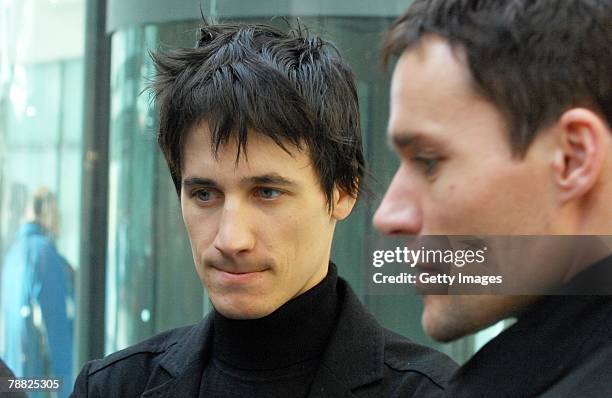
290,86
533,59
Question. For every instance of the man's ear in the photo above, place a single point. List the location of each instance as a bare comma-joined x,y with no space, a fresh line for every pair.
342,204
581,152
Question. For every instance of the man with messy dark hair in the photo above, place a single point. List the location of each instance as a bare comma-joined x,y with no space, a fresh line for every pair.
261,133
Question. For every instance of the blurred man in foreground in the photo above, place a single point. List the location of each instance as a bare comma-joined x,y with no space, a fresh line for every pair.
501,115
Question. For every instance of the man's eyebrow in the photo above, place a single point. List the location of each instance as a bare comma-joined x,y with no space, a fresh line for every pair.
197,181
406,139
269,179
264,179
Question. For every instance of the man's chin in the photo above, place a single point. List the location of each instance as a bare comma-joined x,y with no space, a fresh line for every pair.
236,309
445,319
450,317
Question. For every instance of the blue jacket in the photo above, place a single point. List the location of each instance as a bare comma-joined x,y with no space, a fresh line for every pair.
36,289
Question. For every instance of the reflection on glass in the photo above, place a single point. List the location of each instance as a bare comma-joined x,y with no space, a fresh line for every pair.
151,282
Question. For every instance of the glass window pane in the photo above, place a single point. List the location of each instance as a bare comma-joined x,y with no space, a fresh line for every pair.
40,170
151,282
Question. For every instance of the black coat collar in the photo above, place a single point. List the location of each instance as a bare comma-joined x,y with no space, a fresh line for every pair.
553,337
353,358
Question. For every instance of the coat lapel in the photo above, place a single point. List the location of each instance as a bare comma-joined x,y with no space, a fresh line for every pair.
355,354
187,384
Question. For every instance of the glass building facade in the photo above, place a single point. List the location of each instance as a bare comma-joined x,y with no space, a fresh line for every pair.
41,117
75,118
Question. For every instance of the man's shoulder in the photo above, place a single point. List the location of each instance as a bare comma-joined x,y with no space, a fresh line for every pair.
142,352
127,372
146,365
588,378
405,356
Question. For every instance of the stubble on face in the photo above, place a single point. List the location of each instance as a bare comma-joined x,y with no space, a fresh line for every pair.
446,318
259,228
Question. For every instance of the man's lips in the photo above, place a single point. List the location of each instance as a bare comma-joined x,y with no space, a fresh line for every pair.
430,288
234,276
431,269
238,269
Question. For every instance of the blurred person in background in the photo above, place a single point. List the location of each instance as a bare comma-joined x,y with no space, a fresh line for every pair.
38,298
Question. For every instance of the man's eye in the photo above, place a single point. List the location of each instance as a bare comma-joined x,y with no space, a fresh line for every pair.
268,193
427,164
205,195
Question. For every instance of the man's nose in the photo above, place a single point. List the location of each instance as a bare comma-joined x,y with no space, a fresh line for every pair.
400,212
235,235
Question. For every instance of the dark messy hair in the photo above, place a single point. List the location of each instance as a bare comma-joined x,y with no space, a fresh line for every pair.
533,59
292,87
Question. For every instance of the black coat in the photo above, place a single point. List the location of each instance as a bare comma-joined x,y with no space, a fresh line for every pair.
362,360
560,347
7,373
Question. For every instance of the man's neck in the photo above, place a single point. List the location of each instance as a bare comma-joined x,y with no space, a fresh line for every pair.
295,332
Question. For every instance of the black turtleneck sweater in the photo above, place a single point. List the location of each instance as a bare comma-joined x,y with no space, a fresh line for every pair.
274,356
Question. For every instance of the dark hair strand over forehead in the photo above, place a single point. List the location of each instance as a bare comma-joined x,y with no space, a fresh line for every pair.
291,87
